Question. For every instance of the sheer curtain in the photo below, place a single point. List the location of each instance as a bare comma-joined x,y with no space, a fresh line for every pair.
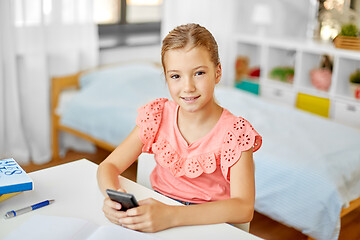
39,39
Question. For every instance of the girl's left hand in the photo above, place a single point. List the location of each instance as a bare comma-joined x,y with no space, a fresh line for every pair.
150,216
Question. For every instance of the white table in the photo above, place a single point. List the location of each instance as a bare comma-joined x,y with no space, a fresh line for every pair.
75,190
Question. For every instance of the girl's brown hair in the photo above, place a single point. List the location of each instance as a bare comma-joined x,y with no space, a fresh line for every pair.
192,35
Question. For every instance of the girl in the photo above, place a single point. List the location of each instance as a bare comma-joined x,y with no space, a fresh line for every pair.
204,154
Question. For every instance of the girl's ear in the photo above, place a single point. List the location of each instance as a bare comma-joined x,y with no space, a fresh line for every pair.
218,73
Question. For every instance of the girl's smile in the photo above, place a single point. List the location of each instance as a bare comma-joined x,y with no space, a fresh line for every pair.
189,99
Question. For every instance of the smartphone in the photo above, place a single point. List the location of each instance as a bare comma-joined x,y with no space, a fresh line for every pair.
127,200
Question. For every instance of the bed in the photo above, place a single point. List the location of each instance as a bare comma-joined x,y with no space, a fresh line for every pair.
307,170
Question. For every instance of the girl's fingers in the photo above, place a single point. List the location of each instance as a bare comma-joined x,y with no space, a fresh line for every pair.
143,227
112,204
111,211
114,216
131,220
139,223
136,211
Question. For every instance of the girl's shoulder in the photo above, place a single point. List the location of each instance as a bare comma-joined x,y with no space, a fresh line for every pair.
240,132
150,117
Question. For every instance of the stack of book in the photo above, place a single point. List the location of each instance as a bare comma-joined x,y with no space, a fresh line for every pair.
13,179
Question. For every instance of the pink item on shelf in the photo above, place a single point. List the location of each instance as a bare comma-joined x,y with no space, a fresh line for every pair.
321,78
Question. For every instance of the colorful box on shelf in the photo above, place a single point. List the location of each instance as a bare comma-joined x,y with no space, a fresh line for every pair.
248,85
13,178
313,104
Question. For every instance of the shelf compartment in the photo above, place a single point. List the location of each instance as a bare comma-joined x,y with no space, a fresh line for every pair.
313,104
346,68
284,61
247,60
311,61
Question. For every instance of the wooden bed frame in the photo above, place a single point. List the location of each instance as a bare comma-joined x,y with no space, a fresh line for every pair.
59,84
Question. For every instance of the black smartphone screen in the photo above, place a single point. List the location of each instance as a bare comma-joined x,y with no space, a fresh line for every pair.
127,200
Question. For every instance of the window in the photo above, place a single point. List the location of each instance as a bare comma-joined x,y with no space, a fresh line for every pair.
128,22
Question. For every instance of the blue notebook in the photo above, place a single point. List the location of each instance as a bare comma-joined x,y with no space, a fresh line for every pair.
13,178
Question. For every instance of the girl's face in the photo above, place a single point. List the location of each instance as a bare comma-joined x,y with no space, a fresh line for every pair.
191,77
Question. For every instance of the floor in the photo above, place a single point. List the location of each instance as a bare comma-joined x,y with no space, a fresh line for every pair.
261,225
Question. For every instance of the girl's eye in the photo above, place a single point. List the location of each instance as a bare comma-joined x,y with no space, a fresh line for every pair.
199,73
175,76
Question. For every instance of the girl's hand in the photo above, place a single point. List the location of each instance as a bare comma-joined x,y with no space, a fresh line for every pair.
150,216
111,209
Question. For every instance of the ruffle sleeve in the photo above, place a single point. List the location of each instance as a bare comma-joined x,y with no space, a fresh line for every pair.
239,138
148,120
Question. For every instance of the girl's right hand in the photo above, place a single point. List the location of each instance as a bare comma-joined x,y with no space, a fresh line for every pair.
111,209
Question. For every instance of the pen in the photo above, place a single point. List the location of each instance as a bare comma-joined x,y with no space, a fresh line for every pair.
28,209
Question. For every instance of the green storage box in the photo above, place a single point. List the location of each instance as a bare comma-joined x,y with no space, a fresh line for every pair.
248,85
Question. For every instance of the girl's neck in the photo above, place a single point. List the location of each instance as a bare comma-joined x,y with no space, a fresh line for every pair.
195,125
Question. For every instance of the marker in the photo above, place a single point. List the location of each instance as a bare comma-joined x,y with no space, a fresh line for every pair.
28,209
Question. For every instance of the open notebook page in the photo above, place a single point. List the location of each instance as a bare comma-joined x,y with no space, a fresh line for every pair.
41,227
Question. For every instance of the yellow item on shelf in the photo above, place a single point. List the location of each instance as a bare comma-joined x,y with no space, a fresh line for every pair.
313,104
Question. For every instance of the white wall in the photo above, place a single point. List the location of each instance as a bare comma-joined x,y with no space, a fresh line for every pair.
229,17
289,18
223,19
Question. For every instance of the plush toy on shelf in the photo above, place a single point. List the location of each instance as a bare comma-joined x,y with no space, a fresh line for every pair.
243,71
241,68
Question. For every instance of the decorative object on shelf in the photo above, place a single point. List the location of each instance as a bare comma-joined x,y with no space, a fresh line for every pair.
348,38
262,18
355,83
283,74
349,30
254,72
321,77
241,67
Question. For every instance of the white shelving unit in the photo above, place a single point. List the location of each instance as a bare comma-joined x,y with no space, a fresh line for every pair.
303,56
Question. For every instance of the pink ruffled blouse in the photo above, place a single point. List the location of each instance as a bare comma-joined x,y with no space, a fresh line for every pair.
199,172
